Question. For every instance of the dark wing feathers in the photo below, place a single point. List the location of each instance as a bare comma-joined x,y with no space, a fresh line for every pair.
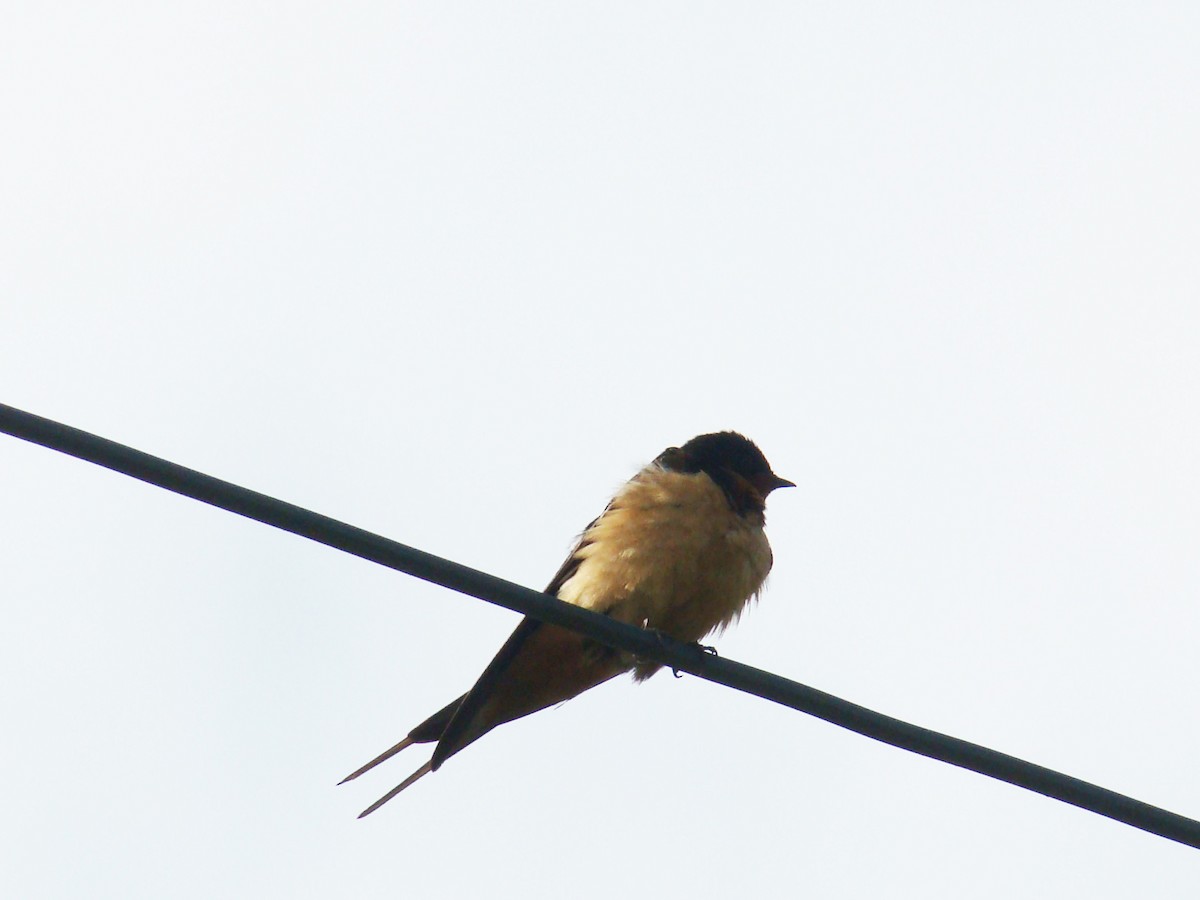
460,721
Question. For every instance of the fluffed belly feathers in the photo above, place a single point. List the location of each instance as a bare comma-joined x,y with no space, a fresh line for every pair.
670,554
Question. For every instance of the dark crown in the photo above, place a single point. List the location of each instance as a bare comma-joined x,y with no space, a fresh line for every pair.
732,461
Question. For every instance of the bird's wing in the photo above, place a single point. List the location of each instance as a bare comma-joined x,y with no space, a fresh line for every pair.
538,666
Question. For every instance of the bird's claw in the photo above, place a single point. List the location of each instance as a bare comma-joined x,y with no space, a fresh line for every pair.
662,637
703,648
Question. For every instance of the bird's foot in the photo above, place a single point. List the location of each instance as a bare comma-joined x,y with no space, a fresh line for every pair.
703,648
664,641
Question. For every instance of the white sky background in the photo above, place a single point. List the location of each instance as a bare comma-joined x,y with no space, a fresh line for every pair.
454,272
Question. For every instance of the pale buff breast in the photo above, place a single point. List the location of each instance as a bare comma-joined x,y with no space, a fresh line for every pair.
671,554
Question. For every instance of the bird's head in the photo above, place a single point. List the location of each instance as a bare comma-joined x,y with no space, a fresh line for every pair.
731,460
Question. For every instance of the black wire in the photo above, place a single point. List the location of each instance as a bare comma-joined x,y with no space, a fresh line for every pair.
684,657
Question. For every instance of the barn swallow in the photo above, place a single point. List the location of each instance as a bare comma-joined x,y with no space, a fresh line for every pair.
680,549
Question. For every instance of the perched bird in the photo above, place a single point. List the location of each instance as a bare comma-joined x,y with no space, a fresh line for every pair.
679,549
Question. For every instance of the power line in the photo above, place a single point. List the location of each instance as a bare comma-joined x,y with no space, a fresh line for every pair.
684,657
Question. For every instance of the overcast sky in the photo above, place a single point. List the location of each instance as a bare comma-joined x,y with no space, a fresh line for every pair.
452,273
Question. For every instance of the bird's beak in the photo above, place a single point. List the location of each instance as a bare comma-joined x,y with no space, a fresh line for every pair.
769,481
